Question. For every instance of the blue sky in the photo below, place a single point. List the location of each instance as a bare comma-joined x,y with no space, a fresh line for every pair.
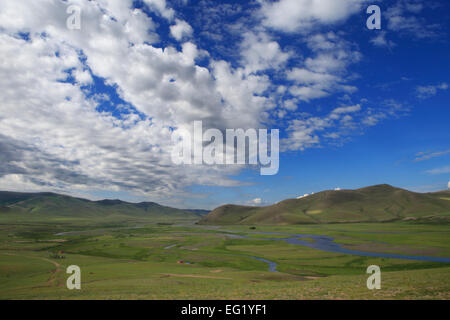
90,112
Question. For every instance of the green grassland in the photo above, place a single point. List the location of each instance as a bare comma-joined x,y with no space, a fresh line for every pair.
136,258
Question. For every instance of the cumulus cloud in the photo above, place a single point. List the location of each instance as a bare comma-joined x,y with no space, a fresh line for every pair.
325,71
49,111
256,201
64,140
160,6
302,15
181,29
66,143
260,52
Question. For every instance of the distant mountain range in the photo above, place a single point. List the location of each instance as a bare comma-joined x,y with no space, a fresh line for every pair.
52,204
370,204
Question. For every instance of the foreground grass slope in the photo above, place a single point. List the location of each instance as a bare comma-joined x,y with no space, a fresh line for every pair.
371,204
141,263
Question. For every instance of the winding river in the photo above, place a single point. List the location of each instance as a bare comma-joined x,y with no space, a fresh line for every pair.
326,243
272,265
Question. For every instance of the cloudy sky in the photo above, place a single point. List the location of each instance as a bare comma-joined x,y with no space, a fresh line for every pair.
90,111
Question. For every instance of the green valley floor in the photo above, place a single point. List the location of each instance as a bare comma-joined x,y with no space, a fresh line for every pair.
143,260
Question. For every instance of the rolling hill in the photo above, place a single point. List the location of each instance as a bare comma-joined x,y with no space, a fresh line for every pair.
370,204
56,205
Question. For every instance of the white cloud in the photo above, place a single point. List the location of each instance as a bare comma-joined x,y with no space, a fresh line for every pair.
161,7
326,62
302,15
82,77
405,17
304,76
305,195
381,41
310,131
421,156
181,29
242,95
308,93
259,52
67,144
441,170
257,201
424,92
347,109
325,71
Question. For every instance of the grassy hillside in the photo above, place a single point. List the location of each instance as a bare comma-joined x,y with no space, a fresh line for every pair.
443,195
56,205
375,203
